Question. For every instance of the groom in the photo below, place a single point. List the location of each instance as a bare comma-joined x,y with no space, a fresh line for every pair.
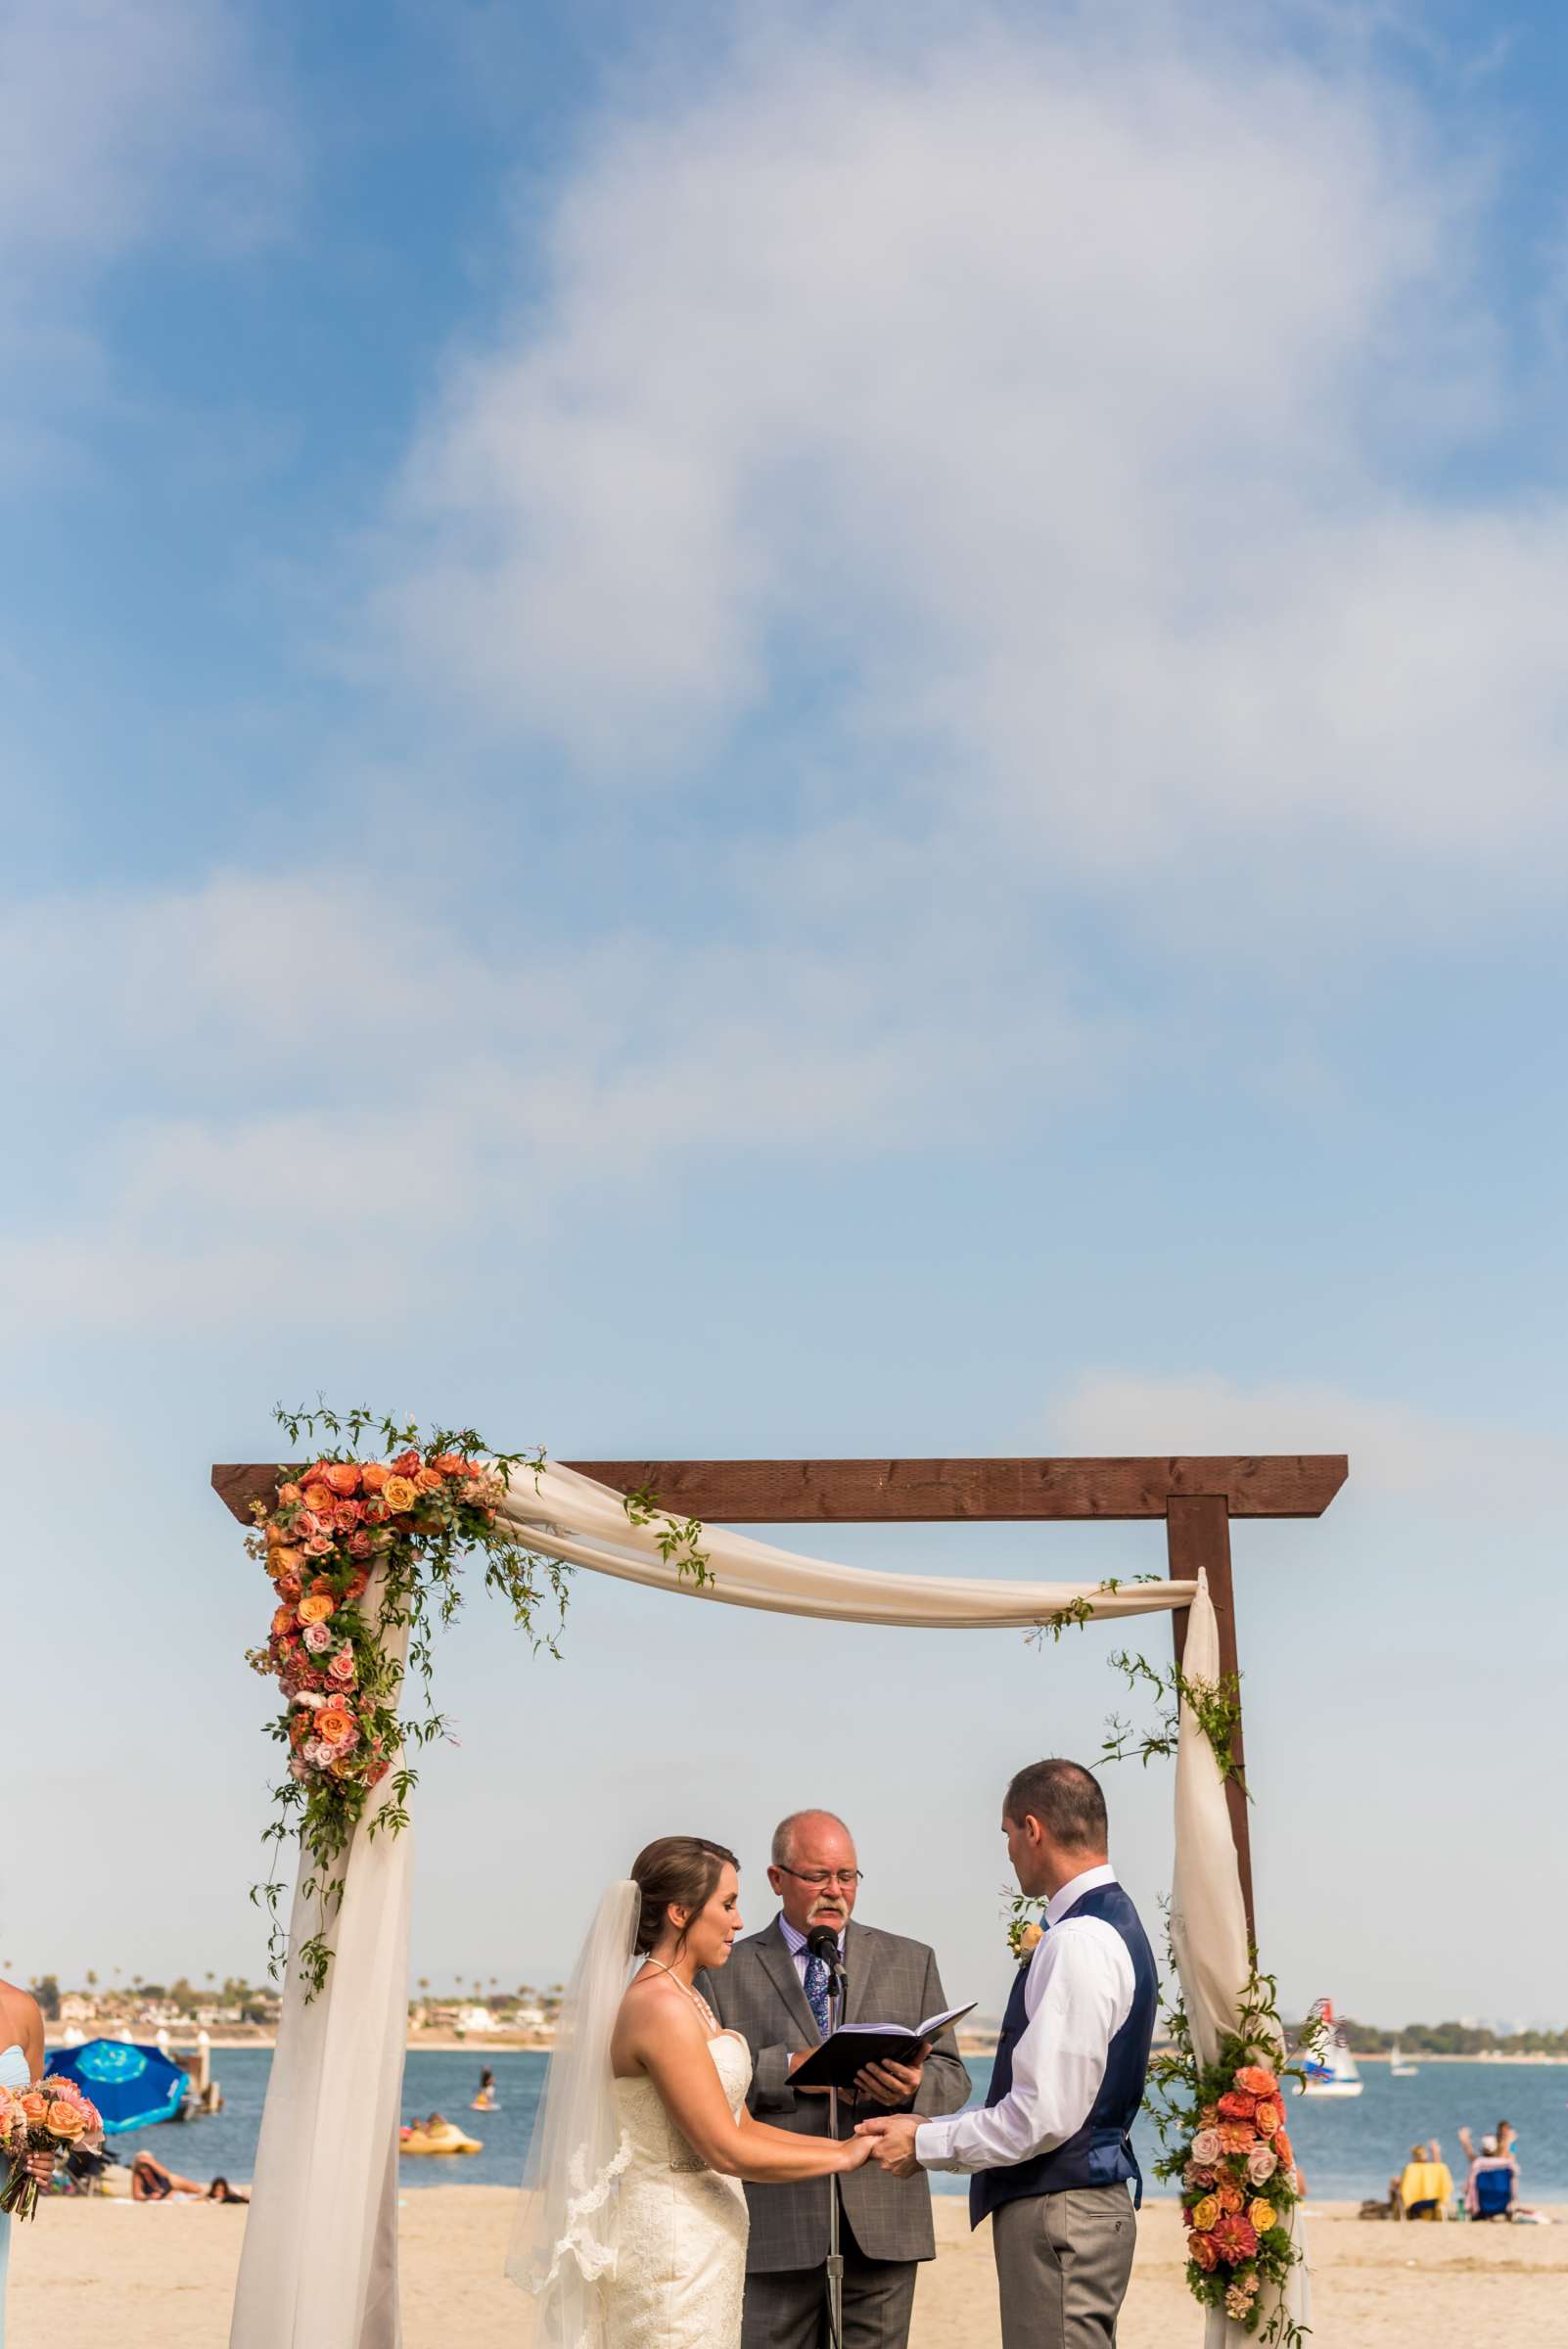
774,1991
1052,2152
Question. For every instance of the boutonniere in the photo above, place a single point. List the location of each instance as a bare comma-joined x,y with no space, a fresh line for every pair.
1025,1932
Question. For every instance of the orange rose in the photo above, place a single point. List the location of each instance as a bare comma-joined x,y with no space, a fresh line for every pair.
399,1495
316,1609
1201,2250
274,1534
1256,2081
343,1478
449,1464
346,1515
283,1621
374,1474
1283,2150
290,1586
1268,2118
1262,2215
357,1585
406,1462
1234,2106
428,1480
66,2121
35,2106
300,1727
1231,2196
374,1509
289,1497
335,1725
285,1561
319,1499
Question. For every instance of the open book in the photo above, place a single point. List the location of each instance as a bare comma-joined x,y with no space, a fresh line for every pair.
845,2051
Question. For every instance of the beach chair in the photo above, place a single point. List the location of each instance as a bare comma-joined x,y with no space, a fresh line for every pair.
1494,2193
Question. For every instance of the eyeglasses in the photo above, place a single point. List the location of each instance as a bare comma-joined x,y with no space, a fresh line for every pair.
848,1877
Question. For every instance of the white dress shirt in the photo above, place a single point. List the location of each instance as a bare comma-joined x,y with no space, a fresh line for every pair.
1077,1996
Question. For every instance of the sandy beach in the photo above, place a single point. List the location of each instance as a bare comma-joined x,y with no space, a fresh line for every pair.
160,2277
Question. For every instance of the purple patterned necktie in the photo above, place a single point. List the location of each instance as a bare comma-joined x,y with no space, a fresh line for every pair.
816,1993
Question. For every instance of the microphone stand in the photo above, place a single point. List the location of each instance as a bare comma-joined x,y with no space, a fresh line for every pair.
835,2259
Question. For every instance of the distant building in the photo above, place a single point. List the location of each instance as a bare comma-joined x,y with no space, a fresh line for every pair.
475,2018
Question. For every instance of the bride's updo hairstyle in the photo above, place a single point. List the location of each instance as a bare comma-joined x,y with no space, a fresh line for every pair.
678,1871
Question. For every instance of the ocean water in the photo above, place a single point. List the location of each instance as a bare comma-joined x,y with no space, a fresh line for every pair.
1347,2148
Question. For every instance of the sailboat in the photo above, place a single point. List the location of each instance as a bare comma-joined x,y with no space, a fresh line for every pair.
1398,2069
1328,2066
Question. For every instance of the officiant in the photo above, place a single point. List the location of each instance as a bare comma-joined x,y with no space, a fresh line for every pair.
775,1993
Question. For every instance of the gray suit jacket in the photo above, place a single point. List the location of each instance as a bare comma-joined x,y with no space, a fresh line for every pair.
887,1980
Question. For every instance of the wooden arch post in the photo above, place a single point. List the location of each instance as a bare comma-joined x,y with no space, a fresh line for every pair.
1197,1495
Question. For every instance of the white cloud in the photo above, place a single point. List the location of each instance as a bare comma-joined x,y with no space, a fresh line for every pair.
124,120
1064,396
1393,1448
322,1067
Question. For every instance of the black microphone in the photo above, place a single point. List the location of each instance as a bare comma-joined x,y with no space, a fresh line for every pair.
822,1942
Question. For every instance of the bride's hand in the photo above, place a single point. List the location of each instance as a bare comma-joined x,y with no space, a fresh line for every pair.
858,2151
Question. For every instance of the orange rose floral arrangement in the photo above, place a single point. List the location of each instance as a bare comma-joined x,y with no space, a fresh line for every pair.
1223,2129
357,1550
51,2117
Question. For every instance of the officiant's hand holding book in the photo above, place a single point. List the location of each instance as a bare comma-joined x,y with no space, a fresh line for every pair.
857,2049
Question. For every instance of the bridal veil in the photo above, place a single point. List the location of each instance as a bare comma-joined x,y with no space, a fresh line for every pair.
569,2223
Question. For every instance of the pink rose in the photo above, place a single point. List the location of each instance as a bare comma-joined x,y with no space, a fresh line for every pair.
1206,2147
319,1546
299,1770
341,1669
317,1637
316,1754
359,1545
1262,2163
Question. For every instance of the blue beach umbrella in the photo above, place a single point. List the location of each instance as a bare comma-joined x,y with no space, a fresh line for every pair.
132,2087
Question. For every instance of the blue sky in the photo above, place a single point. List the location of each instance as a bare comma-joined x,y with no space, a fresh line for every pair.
793,732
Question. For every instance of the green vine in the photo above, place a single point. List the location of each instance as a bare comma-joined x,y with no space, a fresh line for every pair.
1079,1610
679,1539
1215,1706
402,1520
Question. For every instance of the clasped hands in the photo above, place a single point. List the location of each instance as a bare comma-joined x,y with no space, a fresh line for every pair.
892,2142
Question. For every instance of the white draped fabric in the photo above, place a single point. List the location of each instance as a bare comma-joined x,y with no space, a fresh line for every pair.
568,1516
319,2270
1209,1928
319,2266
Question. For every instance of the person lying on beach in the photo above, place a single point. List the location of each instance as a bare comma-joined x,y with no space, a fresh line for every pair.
220,2191
150,2181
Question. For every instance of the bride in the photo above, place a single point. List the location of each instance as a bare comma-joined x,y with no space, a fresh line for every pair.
634,2235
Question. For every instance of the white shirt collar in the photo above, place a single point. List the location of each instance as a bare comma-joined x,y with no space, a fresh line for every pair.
794,1941
1057,1907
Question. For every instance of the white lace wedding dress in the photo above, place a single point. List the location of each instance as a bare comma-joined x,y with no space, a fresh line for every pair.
681,2270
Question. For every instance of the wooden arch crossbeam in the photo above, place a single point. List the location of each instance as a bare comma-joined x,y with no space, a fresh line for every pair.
1197,1495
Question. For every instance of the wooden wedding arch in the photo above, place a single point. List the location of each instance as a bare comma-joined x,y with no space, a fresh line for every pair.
1196,1495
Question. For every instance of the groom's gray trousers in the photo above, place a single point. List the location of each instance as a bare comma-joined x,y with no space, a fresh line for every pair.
1062,2266
887,2220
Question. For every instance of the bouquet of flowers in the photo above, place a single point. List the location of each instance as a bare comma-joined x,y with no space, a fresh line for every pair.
52,2117
1239,2181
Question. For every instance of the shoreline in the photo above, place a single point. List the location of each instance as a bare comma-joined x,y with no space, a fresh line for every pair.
507,2042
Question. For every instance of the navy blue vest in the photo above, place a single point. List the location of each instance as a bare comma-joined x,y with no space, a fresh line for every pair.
1100,2153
